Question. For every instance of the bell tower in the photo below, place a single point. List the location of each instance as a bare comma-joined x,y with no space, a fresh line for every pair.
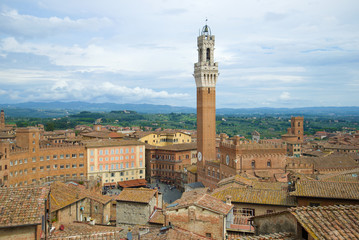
206,75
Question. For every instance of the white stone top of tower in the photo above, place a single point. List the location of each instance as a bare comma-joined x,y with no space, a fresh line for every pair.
206,70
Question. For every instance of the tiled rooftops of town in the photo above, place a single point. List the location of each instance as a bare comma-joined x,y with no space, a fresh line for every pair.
330,222
22,205
200,198
255,196
140,195
326,189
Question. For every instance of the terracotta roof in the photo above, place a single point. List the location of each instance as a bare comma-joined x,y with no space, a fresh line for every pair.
22,205
351,175
172,233
85,231
257,196
111,143
140,195
133,183
331,222
333,161
321,189
273,236
175,147
103,134
63,195
201,199
157,217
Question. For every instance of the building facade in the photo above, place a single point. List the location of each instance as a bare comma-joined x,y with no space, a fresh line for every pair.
115,161
31,162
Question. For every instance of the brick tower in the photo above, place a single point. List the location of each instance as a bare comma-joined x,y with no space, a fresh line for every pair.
206,74
2,120
297,127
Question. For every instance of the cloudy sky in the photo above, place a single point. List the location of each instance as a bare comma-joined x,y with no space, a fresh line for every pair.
271,53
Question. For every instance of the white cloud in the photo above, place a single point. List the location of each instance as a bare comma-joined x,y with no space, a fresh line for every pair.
285,96
11,22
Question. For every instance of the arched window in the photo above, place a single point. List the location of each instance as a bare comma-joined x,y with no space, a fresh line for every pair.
269,163
208,56
253,164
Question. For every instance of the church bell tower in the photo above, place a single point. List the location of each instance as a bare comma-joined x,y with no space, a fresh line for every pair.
206,75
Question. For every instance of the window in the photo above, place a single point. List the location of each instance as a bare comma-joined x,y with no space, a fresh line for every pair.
101,159
126,157
33,169
112,158
92,168
208,235
141,163
25,160
81,155
67,165
11,163
117,151
34,159
121,150
48,167
74,155
106,167
126,150
117,166
253,164
81,165
112,166
74,175
106,158
41,158
121,174
91,153
132,157
132,150
100,152
67,155
54,157
47,157
141,171
116,158
74,165
100,167
121,158
62,156
127,165
62,166
132,164
106,152
269,164
112,174
55,166
91,159
140,149
121,165
112,151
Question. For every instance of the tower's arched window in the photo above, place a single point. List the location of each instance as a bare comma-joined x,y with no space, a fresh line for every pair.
253,164
269,163
298,124
208,54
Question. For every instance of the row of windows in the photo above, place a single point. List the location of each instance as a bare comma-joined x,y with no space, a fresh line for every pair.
53,177
114,174
48,167
114,151
115,158
115,166
122,179
54,157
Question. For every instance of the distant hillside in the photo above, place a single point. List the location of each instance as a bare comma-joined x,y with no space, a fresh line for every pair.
58,109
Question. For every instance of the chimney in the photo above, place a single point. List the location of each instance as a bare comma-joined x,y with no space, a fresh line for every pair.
228,200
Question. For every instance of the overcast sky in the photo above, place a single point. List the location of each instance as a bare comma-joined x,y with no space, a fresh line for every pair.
271,53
